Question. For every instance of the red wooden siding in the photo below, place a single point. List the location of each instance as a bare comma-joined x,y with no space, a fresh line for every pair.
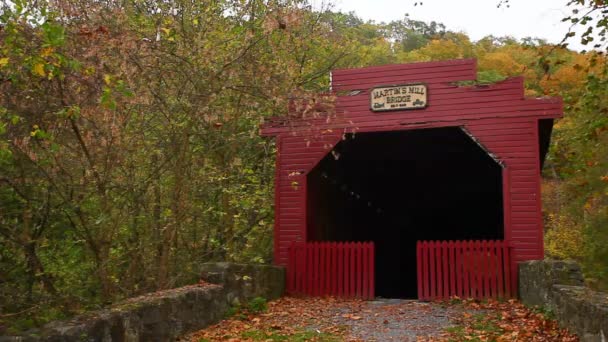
341,269
298,156
497,116
516,145
467,269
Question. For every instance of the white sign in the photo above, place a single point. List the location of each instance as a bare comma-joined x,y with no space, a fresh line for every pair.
398,97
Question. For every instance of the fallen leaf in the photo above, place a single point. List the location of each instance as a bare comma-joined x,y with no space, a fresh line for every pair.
39,69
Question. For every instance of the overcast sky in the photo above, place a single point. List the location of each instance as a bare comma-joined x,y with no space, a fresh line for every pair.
477,18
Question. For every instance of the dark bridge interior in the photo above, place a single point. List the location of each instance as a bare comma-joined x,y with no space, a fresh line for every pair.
395,188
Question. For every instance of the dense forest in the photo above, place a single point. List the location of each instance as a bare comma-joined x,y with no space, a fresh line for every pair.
129,145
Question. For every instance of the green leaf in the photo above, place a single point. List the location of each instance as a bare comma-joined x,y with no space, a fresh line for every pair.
54,34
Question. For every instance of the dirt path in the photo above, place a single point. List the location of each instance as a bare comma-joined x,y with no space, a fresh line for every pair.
329,319
398,320
332,319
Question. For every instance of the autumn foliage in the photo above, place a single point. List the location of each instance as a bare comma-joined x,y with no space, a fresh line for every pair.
129,146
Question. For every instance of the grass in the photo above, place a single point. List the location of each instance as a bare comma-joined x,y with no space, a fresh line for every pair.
260,335
255,306
546,312
481,324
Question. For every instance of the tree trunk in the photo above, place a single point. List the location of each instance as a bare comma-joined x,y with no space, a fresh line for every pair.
169,232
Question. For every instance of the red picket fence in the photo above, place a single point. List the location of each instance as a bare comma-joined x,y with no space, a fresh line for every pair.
341,269
467,269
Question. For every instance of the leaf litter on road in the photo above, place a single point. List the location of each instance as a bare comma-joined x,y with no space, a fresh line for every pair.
333,319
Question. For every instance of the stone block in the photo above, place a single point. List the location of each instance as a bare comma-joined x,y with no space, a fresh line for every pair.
538,276
166,315
560,287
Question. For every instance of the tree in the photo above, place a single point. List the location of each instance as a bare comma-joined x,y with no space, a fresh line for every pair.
129,150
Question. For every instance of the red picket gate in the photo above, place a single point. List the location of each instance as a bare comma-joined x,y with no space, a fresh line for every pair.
467,269
341,269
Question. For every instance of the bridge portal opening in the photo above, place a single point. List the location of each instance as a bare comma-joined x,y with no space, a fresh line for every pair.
395,188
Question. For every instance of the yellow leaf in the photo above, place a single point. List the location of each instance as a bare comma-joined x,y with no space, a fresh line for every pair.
46,52
89,71
107,79
39,69
3,61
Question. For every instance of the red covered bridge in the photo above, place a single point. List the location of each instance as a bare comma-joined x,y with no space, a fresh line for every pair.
412,156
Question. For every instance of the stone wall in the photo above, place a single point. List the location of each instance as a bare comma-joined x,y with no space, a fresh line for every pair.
166,315
559,287
245,281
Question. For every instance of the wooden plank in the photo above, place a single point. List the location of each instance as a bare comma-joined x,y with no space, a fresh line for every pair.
432,270
309,269
538,203
322,269
346,269
353,271
334,269
341,271
459,260
301,268
277,203
468,99
452,268
293,270
492,268
445,270
419,278
499,266
467,258
365,270
479,269
360,275
346,262
537,108
425,271
365,123
472,269
372,273
485,269
469,267
507,267
441,270
294,265
442,94
328,269
315,268
470,111
513,267
291,266
477,104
